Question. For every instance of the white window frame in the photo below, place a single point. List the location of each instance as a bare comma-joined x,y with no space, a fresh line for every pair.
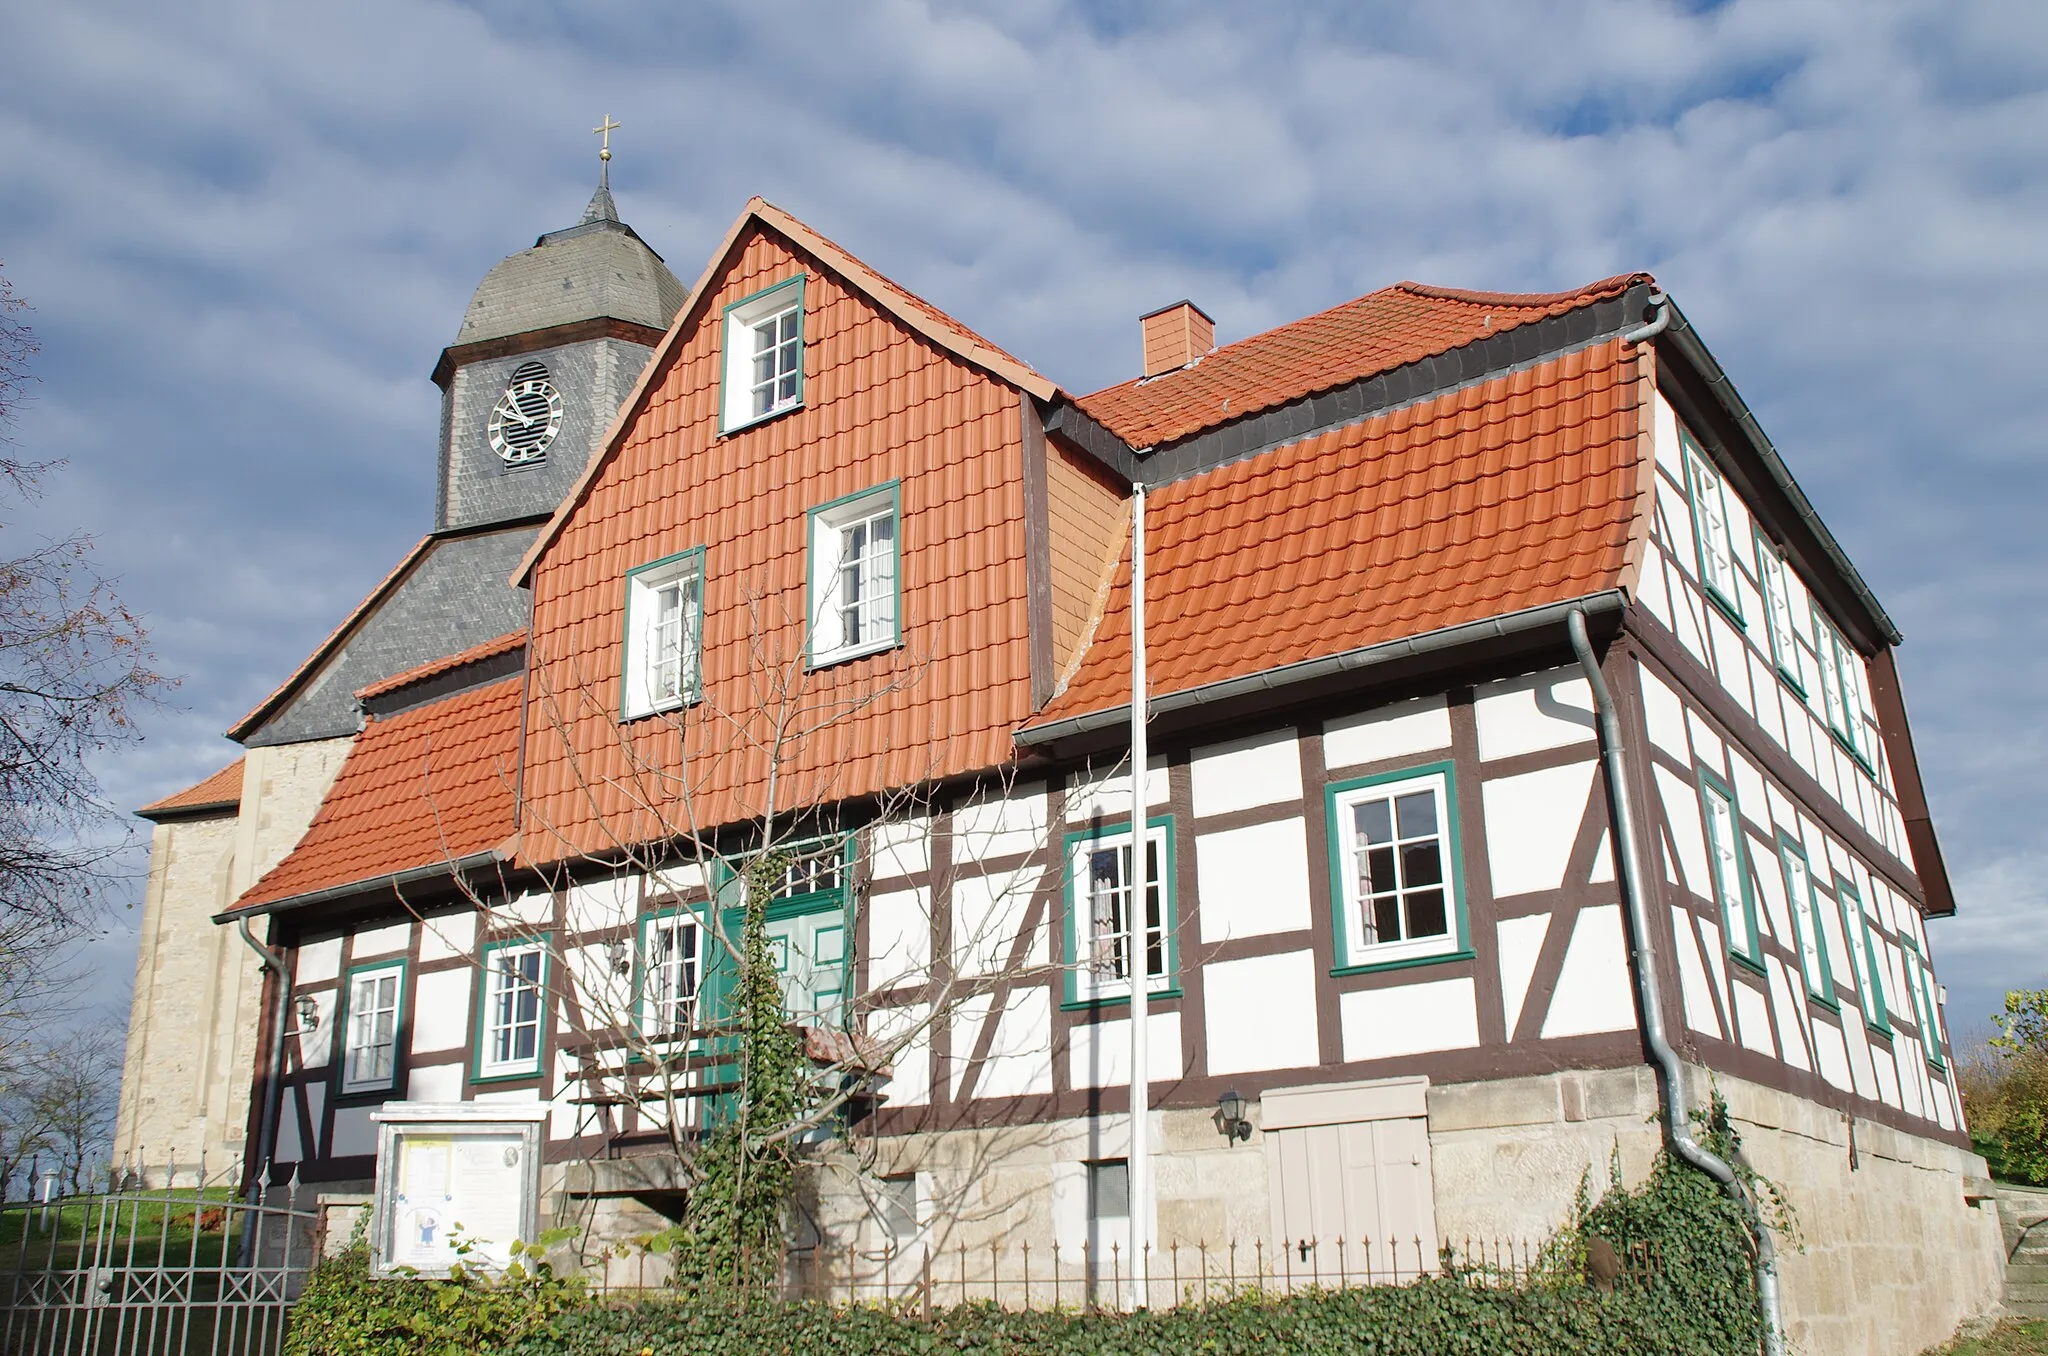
1712,531
780,307
1727,870
1804,904
1358,948
1842,690
1920,976
1098,938
499,981
872,575
660,975
664,651
1771,572
372,976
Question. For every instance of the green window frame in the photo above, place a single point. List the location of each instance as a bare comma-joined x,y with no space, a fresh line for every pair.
381,1024
1713,532
1771,574
668,982
1089,855
1721,821
1841,694
1920,977
1804,905
1864,953
853,583
1381,872
495,1000
761,379
663,647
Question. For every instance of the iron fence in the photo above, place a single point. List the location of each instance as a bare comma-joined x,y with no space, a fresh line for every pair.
921,1276
184,1268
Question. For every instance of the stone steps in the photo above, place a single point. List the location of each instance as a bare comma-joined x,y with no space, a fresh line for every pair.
2026,1268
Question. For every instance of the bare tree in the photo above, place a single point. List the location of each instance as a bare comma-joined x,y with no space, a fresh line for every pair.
77,1088
646,1039
75,668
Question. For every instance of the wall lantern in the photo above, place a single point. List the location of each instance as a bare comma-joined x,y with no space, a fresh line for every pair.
1230,1112
621,959
309,1013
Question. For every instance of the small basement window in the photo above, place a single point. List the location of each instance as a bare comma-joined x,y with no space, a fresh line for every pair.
764,355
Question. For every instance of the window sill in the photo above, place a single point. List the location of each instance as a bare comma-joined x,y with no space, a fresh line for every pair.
367,1092
728,430
1825,1004
1855,754
507,1076
825,661
1399,963
1726,605
1118,1000
1798,688
664,709
1749,963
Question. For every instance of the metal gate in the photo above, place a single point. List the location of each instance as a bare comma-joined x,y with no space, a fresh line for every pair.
164,1271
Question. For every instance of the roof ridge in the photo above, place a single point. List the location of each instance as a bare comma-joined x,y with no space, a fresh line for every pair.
433,668
1593,291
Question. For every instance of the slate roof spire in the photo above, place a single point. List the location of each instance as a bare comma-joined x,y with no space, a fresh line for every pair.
601,207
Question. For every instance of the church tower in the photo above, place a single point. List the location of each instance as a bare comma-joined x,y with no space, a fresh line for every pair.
552,342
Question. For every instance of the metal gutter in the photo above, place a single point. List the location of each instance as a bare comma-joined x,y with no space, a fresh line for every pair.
490,857
1681,336
273,1088
1677,1114
1513,625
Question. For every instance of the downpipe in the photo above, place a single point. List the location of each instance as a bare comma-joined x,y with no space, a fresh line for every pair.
273,1091
1677,1114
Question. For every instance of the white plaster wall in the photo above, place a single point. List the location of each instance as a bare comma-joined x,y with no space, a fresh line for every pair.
1105,793
1518,941
1403,730
435,1083
1000,825
906,1032
1532,713
354,1132
1531,821
988,913
595,905
440,1011
1440,1014
901,847
1260,1013
1099,1053
1264,769
1253,880
1593,989
371,943
447,936
899,937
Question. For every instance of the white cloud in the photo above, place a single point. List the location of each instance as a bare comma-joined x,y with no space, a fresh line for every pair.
256,227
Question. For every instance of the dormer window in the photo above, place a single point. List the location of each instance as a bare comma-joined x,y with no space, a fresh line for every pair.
855,584
664,629
764,355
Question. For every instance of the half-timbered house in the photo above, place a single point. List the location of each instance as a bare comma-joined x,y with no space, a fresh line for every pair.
842,565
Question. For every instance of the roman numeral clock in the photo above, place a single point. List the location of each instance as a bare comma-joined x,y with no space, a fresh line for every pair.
526,418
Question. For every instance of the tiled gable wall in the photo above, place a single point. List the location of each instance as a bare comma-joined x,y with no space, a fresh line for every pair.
879,404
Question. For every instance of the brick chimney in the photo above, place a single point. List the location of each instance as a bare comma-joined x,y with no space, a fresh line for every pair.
1175,336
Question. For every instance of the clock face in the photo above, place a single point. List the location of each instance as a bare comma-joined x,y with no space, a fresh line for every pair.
527,417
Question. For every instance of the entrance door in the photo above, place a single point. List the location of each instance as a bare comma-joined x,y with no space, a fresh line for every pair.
1348,1172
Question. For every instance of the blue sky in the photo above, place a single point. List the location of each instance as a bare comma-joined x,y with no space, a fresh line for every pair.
248,230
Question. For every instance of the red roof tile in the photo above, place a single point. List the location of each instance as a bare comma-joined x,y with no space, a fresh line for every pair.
223,790
1361,338
434,668
425,786
1509,494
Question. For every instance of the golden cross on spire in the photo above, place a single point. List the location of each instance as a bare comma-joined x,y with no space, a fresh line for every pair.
605,130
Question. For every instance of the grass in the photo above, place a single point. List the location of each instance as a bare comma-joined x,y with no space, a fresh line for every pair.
2013,1337
140,1230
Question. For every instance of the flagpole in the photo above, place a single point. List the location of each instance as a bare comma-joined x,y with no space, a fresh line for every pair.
1139,1162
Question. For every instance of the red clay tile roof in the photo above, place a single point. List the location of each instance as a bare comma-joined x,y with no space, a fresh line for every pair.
1509,494
915,313
223,790
425,786
1374,333
434,668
